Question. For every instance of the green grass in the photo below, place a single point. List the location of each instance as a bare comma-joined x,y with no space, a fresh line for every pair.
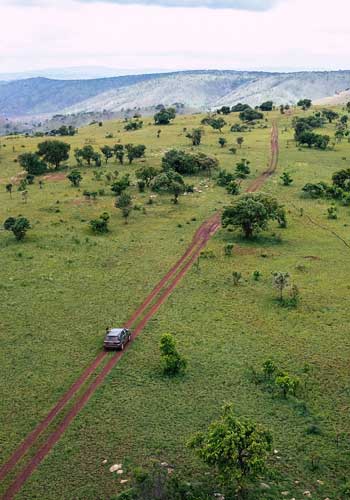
62,286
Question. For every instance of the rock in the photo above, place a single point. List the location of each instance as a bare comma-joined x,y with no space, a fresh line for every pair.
115,468
285,493
123,481
265,486
170,470
164,464
319,481
275,452
307,493
120,471
296,482
104,462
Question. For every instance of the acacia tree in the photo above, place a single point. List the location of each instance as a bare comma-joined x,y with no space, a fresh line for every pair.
147,174
165,116
222,141
217,123
54,152
240,141
237,448
252,213
32,163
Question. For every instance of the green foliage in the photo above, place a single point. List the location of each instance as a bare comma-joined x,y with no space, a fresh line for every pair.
147,174
165,116
250,115
32,163
121,185
287,384
266,106
233,188
222,141
75,178
119,153
188,164
286,179
330,115
236,448
100,225
239,127
87,153
304,104
107,152
133,125
195,136
54,152
19,226
134,152
224,178
252,213
9,188
236,278
238,108
229,249
256,275
172,362
311,139
224,110
242,169
332,212
124,203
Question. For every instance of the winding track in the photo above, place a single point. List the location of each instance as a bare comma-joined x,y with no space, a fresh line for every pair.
139,319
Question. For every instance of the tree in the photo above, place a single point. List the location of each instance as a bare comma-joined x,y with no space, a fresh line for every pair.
172,362
134,152
250,115
242,169
86,153
107,152
121,184
147,174
237,448
233,188
304,104
224,110
119,153
75,178
330,115
179,161
19,226
286,179
100,225
9,188
252,213
238,108
266,106
133,125
341,179
54,152
176,188
124,203
32,163
224,178
222,141
217,123
281,281
287,384
165,116
195,136
240,141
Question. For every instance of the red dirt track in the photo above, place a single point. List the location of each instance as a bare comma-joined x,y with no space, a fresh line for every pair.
139,319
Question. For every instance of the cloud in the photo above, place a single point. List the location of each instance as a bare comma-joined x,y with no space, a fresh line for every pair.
252,5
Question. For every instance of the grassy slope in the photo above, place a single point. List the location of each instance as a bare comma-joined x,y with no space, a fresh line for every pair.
222,329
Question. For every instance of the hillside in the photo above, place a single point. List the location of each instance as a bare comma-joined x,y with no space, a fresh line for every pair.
335,100
199,90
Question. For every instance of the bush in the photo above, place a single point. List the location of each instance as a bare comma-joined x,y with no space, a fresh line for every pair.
100,225
172,362
19,226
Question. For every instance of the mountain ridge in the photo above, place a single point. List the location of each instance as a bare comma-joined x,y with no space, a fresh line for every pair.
196,89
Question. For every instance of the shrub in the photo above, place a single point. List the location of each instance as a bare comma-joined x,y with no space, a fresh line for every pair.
19,226
172,362
100,225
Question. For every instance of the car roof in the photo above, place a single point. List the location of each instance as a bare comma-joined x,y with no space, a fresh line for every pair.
115,331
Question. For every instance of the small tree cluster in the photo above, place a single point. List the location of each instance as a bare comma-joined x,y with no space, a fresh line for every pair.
100,225
18,225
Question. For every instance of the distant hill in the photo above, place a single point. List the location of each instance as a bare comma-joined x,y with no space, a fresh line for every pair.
201,90
335,100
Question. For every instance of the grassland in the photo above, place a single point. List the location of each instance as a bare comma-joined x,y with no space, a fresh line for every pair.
62,286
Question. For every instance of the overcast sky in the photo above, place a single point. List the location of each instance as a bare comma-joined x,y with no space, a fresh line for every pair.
175,34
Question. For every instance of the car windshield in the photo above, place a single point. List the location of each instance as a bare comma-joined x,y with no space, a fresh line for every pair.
113,337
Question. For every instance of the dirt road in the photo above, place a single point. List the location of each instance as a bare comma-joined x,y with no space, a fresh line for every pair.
41,440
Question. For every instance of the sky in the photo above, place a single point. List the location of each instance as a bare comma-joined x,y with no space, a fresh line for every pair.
281,35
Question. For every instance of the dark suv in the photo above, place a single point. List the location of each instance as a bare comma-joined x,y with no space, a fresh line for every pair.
117,338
